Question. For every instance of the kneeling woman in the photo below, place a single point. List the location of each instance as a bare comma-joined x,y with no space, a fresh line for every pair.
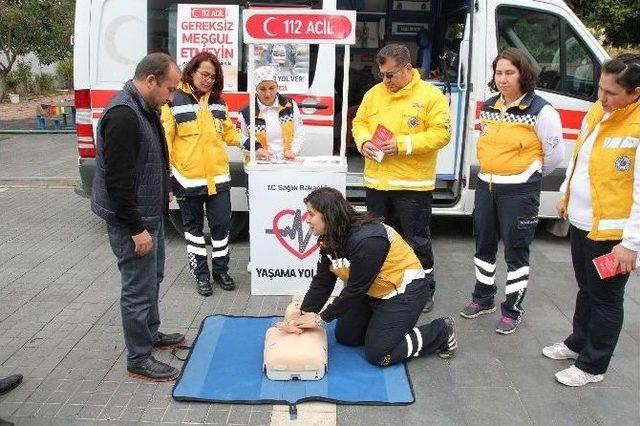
385,287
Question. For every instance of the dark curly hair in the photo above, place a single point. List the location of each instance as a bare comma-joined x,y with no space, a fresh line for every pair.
193,65
520,60
338,215
626,68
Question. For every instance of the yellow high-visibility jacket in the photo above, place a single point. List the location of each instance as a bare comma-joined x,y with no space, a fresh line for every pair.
611,171
419,117
197,133
400,267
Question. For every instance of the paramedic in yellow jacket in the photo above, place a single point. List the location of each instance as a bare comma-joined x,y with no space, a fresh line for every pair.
279,128
198,129
399,188
520,141
601,198
385,286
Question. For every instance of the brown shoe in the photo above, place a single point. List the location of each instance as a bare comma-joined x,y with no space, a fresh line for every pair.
167,341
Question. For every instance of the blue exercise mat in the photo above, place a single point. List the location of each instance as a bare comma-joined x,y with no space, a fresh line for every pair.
225,365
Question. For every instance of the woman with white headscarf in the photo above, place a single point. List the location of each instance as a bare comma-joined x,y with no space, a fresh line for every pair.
278,124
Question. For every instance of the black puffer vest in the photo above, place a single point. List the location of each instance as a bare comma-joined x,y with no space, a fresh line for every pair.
152,165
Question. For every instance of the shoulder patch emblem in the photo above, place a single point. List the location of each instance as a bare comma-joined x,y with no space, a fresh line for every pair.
412,122
623,163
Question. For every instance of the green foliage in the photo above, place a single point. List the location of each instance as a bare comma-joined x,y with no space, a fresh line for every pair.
22,78
12,83
619,20
39,26
65,72
615,51
44,84
43,27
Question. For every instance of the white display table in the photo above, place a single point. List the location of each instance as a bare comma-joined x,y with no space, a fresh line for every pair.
284,253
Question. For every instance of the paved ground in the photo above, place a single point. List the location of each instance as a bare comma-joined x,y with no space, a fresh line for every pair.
60,326
43,158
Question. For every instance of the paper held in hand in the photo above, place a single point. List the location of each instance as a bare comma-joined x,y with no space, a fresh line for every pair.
604,266
380,136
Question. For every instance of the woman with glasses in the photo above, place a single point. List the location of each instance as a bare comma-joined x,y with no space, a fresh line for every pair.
279,130
601,199
520,141
198,129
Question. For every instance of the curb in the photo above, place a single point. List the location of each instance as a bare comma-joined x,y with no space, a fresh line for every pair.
38,182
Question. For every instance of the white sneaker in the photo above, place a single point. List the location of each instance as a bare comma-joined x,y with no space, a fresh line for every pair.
573,376
559,351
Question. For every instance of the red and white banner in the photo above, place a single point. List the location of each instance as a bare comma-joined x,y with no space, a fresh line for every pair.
210,28
290,26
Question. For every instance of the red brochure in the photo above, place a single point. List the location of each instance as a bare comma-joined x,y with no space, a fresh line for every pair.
381,135
604,266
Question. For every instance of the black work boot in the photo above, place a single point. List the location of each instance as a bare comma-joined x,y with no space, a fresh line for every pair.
204,288
154,370
428,307
9,383
224,280
168,340
450,346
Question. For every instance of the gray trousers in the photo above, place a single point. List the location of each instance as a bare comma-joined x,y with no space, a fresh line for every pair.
140,277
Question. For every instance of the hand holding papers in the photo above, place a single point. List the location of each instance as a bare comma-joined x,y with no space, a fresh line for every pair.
380,137
605,266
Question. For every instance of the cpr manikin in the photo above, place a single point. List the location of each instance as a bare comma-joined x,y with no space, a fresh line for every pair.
293,356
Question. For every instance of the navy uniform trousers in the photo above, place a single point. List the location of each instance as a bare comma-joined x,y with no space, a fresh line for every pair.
218,210
507,212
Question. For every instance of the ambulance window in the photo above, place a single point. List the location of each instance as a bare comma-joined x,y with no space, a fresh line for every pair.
562,62
515,30
581,68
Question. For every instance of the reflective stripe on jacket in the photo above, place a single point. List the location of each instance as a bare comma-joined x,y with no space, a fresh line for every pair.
197,133
508,144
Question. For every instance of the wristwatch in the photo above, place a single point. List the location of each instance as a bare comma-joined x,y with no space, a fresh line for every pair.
319,321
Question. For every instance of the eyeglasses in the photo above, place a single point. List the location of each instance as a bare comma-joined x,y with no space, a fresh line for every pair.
206,75
389,75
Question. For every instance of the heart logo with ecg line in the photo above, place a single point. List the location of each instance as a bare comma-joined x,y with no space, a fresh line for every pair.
292,237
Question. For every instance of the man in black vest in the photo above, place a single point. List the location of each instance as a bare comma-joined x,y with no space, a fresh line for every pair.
131,193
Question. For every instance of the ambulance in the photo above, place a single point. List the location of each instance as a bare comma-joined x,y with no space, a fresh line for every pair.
452,43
